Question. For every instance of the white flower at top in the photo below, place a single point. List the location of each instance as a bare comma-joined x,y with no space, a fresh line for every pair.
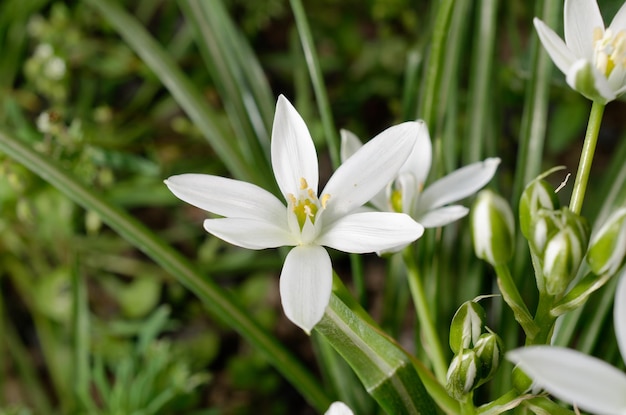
574,377
406,192
338,408
254,218
593,58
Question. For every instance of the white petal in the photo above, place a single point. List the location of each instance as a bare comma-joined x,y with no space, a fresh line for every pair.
350,144
420,159
369,170
305,285
293,152
442,216
338,408
574,377
581,17
619,21
249,233
619,313
586,79
228,197
370,232
459,184
560,54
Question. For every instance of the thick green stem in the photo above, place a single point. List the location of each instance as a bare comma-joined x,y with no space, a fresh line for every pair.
512,297
586,157
427,323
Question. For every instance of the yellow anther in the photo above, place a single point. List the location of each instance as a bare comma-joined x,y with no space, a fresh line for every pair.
324,200
303,183
311,194
292,198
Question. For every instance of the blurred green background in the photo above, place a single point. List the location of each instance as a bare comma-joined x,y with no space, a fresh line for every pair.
72,89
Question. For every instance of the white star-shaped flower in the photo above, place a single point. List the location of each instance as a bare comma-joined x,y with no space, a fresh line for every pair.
593,58
254,218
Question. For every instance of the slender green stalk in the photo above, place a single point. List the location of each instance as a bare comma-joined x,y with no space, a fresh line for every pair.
512,297
481,90
317,79
427,323
586,157
426,110
218,301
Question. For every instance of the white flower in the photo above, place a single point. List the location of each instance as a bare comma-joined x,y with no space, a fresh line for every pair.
574,377
406,193
254,218
338,408
592,58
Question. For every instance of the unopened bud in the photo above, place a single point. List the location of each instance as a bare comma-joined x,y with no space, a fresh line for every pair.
537,195
488,349
563,255
462,375
467,325
608,247
493,228
559,239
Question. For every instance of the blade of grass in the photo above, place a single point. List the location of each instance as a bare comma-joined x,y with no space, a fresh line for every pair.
481,89
317,79
217,301
221,51
186,94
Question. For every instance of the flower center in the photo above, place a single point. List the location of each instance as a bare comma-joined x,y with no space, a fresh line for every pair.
609,50
306,204
396,200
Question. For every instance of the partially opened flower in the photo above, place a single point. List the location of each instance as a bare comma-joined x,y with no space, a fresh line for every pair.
406,192
254,218
593,58
588,382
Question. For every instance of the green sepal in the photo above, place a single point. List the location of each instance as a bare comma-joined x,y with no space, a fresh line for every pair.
538,195
467,326
577,296
608,247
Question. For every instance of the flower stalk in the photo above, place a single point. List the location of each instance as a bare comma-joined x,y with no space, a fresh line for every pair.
586,157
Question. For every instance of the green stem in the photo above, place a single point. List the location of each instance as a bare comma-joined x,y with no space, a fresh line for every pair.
586,157
427,323
512,297
218,301
317,79
428,104
544,321
467,407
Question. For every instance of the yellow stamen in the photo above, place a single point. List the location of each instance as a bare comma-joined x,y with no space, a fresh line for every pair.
324,200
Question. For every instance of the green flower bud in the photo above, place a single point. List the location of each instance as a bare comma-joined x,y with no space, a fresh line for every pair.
467,325
608,247
537,195
562,257
488,349
462,375
559,239
493,228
